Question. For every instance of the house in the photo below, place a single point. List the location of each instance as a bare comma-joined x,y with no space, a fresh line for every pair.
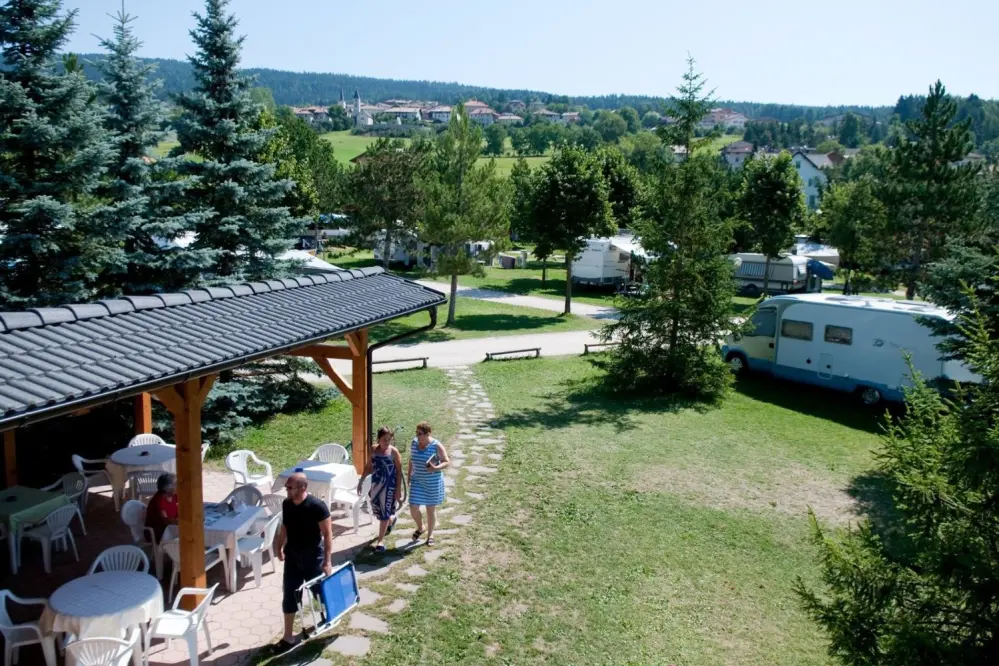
736,153
570,117
438,114
811,167
483,116
509,119
475,104
311,114
679,153
723,118
404,113
536,105
517,105
550,116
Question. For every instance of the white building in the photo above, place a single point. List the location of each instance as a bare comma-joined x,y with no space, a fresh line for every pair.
404,113
736,153
570,117
509,119
439,114
810,167
550,116
483,116
723,118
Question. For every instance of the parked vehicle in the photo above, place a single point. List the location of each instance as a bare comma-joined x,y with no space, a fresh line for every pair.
804,247
788,275
607,261
847,343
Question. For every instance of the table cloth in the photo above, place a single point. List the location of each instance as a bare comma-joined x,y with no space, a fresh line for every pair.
20,506
157,457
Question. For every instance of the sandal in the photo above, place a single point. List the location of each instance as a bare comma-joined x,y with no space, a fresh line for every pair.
379,549
417,534
430,541
391,525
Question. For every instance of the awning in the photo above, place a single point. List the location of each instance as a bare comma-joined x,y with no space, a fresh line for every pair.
824,271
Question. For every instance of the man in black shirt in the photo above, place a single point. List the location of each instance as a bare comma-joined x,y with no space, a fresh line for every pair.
306,520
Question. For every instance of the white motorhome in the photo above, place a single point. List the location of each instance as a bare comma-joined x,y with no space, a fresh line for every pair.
788,275
607,261
847,343
412,252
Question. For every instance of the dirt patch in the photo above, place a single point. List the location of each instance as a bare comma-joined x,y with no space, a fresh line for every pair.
788,490
514,611
491,650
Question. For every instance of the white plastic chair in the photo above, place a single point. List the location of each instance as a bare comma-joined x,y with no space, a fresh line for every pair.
146,438
251,548
74,486
351,500
106,651
16,636
274,503
55,527
121,558
245,495
238,463
176,623
204,450
213,556
142,484
95,471
330,453
133,514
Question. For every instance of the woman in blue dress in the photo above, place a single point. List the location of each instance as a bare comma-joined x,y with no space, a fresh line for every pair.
385,469
427,462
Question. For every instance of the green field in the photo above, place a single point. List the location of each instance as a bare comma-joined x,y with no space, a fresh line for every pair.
347,146
640,531
720,142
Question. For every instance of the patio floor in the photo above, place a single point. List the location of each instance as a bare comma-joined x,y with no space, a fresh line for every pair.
240,622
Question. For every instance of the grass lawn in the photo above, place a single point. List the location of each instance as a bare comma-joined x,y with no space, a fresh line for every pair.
720,142
347,146
504,165
641,531
400,398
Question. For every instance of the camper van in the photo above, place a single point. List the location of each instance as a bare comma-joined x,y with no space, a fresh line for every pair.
607,261
788,275
847,343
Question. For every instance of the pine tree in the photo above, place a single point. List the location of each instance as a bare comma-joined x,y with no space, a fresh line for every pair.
465,202
250,227
54,151
144,191
685,110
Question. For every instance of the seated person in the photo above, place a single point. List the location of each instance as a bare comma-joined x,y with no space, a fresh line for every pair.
162,509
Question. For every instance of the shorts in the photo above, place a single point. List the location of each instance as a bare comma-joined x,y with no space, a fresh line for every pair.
298,568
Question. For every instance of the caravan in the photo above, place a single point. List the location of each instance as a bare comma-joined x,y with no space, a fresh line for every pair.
788,275
607,261
847,343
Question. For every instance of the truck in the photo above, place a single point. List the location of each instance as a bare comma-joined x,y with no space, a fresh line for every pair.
852,344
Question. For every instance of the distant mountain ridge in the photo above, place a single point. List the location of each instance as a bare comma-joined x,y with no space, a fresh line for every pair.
306,88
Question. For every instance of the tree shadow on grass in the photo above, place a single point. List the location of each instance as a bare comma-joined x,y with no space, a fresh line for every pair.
843,408
591,402
872,492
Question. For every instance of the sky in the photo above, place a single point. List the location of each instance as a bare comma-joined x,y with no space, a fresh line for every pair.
842,52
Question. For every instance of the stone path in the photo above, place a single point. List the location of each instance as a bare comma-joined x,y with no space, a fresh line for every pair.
537,302
388,584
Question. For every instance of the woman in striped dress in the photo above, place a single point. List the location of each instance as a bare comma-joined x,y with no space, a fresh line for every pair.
427,462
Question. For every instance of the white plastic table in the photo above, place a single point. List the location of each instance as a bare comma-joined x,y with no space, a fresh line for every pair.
156,457
225,529
323,478
104,604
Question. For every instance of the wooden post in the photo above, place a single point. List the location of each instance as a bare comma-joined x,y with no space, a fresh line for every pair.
361,431
184,402
10,458
143,414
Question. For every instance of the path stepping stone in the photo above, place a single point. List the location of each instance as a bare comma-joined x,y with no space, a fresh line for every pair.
479,469
449,482
408,588
490,441
457,453
457,462
416,571
452,500
397,606
351,646
451,471
447,509
476,496
463,519
365,622
368,570
496,456
471,478
368,597
468,436
432,556
476,449
445,532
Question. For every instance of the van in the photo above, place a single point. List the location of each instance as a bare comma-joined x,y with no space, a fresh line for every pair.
788,275
846,343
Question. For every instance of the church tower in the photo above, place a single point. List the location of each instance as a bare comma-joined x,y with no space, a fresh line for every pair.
342,102
357,104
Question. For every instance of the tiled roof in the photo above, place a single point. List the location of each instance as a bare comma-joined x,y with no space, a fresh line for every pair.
58,360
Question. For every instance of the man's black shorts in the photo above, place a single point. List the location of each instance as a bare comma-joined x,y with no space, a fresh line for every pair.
298,568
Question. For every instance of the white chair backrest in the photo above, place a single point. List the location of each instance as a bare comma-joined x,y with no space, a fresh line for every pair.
330,453
236,462
5,621
133,514
78,463
274,503
271,530
198,614
172,549
59,519
98,651
365,487
121,558
204,450
148,438
144,482
247,495
74,483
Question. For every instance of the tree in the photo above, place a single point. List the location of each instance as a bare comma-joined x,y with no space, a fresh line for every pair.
571,205
495,139
854,221
520,141
849,131
144,190
772,203
622,185
666,335
921,590
265,98
385,195
221,125
644,151
465,202
686,109
932,194
56,240
611,126
651,120
631,118
523,222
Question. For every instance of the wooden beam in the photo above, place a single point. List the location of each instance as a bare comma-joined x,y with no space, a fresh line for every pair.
361,430
187,398
206,387
10,459
143,414
324,351
337,378
171,399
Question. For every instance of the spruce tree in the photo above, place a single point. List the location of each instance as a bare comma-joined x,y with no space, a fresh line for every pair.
221,126
144,191
54,151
